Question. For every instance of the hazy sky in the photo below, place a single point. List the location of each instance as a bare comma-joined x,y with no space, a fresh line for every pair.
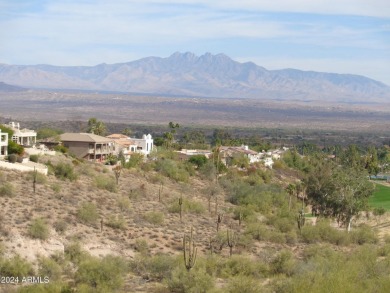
342,36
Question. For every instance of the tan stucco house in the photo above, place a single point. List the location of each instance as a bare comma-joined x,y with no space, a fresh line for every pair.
88,146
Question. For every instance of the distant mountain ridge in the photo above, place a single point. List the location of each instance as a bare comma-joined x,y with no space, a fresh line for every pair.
4,87
207,75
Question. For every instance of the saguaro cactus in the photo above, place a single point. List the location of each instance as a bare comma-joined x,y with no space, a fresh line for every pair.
35,174
301,219
189,251
160,190
219,220
231,240
181,206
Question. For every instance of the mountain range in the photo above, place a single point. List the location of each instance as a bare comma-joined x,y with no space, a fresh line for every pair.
203,76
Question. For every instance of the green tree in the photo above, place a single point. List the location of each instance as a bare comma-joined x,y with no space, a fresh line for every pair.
371,161
338,192
96,127
169,136
198,160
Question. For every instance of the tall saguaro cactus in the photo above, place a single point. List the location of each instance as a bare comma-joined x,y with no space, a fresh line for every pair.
219,220
301,220
181,206
231,240
190,251
160,190
35,174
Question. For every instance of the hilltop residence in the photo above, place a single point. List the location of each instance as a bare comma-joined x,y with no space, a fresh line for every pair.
24,137
130,145
229,152
88,146
144,144
3,144
185,154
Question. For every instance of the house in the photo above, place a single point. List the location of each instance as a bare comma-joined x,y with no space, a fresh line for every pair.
229,152
24,137
268,162
144,144
88,146
130,145
185,154
123,144
3,143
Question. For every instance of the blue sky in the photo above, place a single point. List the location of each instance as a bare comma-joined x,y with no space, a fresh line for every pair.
342,36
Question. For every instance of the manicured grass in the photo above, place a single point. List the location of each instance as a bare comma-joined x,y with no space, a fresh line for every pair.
381,197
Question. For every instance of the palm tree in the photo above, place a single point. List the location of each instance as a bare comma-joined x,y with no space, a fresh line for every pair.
291,189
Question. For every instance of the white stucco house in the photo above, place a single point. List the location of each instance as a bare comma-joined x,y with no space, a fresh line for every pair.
144,144
3,144
24,137
128,145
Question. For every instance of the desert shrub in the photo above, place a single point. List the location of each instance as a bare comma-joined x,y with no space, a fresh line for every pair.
188,206
74,252
64,171
172,169
281,223
155,267
208,170
111,160
87,213
322,231
61,149
51,287
55,187
103,275
242,265
363,234
257,231
60,226
34,158
7,190
279,165
155,218
15,267
198,160
86,169
124,204
283,263
14,148
39,229
242,283
134,161
39,177
141,245
310,234
116,222
193,281
277,237
12,158
49,268
106,183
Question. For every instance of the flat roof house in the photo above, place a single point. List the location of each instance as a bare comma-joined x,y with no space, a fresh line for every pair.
88,146
24,137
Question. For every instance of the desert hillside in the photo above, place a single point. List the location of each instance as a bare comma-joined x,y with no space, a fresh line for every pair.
83,231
